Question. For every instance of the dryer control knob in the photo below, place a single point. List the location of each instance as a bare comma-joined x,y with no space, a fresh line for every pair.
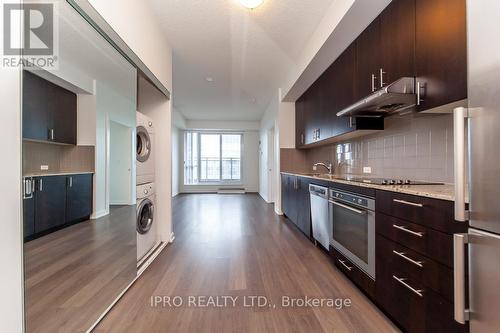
150,124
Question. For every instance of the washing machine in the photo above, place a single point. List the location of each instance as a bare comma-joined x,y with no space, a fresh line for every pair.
146,226
145,157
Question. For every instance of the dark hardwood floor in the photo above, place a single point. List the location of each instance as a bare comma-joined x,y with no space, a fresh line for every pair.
73,274
235,245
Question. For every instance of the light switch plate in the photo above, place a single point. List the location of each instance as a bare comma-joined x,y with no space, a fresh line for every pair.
367,170
44,167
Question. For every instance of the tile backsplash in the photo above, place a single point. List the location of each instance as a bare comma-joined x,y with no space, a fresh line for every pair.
58,158
418,147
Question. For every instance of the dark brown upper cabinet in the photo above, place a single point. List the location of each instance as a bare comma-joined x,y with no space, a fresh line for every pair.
299,124
35,107
342,91
397,43
49,111
441,52
316,110
425,39
368,62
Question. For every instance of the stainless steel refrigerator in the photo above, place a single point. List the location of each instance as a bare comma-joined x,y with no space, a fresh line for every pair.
477,163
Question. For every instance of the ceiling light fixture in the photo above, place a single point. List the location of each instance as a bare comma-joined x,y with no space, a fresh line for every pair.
251,4
210,79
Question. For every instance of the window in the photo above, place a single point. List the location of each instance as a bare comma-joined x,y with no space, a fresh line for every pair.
212,157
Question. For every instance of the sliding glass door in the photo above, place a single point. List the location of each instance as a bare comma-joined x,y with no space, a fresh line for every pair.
212,158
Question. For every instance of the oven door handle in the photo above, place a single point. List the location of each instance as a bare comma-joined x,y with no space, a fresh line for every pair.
352,209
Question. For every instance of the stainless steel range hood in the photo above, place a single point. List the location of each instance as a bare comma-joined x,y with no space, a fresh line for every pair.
395,97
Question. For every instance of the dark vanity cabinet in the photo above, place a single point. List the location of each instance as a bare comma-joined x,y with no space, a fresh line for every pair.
57,201
295,201
78,197
49,111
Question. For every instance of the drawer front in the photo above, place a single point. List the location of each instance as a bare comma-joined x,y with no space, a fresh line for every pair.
414,307
406,262
433,213
355,274
431,243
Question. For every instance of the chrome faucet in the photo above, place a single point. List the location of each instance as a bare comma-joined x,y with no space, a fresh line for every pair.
328,166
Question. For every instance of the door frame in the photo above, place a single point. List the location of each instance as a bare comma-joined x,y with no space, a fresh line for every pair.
132,137
270,167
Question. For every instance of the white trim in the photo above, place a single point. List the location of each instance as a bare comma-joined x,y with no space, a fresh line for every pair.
99,214
120,203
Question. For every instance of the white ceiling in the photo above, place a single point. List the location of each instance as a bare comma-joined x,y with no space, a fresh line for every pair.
248,53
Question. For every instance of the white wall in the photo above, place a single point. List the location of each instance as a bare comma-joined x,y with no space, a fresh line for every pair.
110,106
269,120
120,162
178,126
139,27
281,117
223,125
176,137
11,244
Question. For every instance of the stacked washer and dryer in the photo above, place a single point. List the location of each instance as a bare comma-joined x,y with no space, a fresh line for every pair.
146,226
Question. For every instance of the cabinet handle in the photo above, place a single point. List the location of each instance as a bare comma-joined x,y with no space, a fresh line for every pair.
373,82
70,181
404,202
382,84
403,228
41,185
302,138
419,88
352,209
344,264
402,281
51,134
403,255
461,314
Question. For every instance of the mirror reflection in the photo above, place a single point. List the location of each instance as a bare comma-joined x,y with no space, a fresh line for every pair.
79,207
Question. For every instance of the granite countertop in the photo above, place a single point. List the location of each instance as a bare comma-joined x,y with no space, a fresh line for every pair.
443,192
62,173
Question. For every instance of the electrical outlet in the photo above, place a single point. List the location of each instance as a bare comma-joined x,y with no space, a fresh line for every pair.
44,167
367,170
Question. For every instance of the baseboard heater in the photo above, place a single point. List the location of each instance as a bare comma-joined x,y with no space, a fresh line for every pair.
231,191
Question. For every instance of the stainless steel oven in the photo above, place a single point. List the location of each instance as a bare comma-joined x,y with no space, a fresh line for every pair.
353,228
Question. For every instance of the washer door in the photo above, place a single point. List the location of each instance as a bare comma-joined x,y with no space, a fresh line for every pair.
145,216
143,148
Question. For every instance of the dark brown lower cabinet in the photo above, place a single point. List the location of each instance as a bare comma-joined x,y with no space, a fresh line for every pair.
50,202
408,300
78,197
363,281
296,204
57,202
